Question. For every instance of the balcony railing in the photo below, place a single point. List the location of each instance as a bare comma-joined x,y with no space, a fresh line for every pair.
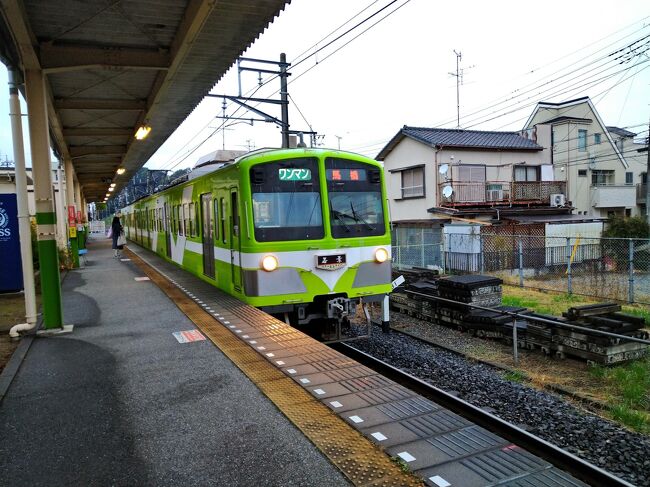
491,193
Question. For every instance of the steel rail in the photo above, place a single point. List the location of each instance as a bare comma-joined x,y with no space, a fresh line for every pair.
562,459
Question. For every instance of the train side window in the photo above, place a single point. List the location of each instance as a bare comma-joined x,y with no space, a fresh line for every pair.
223,220
192,222
184,219
215,203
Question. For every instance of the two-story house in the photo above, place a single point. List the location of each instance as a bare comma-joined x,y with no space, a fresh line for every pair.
448,174
599,180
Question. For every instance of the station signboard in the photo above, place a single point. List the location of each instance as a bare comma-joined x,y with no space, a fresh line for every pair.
11,272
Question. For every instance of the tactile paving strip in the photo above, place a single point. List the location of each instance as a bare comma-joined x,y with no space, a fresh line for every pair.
440,447
360,461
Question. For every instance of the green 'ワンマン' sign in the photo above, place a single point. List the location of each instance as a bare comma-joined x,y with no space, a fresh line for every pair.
295,174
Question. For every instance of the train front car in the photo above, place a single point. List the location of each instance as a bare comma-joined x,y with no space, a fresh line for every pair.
321,239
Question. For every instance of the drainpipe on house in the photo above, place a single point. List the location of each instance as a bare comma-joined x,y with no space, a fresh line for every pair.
23,209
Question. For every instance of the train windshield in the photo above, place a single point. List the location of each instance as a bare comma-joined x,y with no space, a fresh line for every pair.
287,201
355,202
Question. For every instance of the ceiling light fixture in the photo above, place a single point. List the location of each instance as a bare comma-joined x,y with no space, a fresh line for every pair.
120,170
111,189
142,132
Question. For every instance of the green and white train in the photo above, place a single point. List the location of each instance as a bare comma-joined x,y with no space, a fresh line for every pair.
299,233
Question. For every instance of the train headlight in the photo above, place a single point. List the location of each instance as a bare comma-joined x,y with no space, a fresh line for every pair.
269,263
381,255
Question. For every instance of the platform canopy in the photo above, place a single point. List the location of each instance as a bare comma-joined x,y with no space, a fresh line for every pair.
114,65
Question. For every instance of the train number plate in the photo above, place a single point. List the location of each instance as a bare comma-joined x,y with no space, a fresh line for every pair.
330,262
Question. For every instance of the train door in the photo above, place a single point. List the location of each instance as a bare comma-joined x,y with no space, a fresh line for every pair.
208,234
235,242
168,230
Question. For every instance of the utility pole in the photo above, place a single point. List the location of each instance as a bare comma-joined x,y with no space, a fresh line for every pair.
458,76
339,137
284,97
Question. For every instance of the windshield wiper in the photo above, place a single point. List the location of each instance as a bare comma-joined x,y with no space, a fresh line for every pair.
338,215
359,219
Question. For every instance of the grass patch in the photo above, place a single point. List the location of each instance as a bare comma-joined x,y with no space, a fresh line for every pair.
628,387
515,376
568,298
633,419
522,302
542,302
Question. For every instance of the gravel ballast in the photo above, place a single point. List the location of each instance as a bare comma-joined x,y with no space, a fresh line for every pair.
597,440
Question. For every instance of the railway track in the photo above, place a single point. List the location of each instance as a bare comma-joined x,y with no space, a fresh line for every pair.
587,402
562,459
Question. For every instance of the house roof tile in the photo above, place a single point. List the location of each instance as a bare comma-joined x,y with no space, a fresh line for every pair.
471,139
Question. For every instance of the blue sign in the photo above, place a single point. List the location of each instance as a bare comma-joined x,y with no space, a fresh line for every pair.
11,272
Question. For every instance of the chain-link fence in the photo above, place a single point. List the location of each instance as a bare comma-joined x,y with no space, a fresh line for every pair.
604,268
417,247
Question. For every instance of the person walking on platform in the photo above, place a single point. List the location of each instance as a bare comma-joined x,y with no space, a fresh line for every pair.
117,231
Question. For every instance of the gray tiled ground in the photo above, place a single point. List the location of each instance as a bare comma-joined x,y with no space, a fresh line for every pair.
121,402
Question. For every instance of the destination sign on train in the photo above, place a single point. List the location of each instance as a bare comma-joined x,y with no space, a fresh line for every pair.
346,174
295,174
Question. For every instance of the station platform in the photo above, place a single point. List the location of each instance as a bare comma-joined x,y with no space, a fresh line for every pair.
168,381
121,402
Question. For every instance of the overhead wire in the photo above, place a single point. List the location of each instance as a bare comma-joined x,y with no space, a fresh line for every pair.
299,62
518,92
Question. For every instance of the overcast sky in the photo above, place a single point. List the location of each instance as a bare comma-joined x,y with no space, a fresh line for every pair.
514,54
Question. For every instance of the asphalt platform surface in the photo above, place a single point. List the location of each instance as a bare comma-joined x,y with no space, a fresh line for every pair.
121,402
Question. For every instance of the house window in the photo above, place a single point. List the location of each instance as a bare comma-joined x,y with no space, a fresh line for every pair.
413,183
628,212
629,178
600,177
582,173
596,139
582,140
526,173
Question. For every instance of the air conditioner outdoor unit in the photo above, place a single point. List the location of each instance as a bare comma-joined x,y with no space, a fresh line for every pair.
557,200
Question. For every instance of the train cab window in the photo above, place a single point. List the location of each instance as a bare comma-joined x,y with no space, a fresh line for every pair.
286,200
354,196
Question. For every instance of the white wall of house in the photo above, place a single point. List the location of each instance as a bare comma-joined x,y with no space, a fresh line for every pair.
409,153
578,156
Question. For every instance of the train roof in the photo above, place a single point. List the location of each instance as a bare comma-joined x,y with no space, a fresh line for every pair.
272,153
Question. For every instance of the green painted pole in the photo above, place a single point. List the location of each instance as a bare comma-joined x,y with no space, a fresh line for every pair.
45,210
74,250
